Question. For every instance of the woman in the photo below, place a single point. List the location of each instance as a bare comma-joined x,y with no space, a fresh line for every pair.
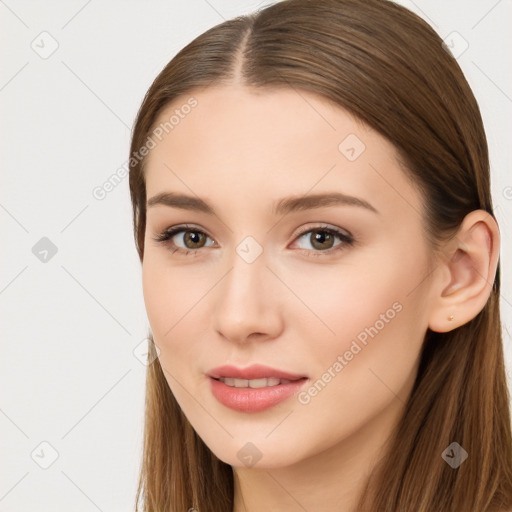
369,377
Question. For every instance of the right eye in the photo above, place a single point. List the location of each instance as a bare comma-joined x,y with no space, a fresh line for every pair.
193,236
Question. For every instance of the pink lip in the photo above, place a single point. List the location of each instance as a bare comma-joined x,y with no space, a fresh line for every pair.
253,399
255,371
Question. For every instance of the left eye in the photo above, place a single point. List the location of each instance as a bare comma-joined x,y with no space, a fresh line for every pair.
321,239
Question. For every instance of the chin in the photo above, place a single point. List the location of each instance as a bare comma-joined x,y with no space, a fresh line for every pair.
258,454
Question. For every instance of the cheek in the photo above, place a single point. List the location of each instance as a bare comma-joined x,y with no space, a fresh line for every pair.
166,300
363,322
164,296
377,330
173,299
339,303
367,299
155,290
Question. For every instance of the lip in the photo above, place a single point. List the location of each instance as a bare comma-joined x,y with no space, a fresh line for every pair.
250,400
255,371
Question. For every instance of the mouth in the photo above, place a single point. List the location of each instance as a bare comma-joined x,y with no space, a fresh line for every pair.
254,395
254,388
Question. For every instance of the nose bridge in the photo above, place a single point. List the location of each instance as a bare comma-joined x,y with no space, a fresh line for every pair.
245,300
248,273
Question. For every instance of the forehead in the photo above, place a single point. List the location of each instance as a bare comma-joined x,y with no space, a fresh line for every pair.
268,143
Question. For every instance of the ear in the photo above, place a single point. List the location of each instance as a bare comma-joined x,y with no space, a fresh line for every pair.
465,274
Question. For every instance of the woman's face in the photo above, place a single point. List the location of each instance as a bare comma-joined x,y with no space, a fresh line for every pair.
269,281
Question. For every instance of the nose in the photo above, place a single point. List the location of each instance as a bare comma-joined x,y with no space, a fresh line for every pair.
248,302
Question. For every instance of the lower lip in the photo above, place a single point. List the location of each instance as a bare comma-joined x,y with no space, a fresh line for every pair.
253,399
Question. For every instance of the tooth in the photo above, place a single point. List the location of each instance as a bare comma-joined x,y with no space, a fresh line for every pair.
253,383
260,383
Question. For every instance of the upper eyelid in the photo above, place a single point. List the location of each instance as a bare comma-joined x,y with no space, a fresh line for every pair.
323,227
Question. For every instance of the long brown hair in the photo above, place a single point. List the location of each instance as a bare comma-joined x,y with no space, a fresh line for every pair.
389,68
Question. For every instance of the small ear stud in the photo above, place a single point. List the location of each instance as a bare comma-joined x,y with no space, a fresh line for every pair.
450,318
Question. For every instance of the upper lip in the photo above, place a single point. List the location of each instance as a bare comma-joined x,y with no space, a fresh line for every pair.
255,371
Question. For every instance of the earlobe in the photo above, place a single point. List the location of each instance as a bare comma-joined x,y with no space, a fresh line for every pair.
464,279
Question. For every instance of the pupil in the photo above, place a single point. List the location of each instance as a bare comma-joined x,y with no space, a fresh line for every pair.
194,237
321,236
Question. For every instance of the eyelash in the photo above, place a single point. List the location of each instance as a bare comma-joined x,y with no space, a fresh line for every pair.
347,240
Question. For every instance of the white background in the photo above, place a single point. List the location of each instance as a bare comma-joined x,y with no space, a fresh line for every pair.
68,373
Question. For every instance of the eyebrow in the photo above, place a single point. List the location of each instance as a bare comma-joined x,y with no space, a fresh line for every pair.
281,207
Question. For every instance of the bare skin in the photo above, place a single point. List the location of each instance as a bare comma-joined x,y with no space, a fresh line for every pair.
297,307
